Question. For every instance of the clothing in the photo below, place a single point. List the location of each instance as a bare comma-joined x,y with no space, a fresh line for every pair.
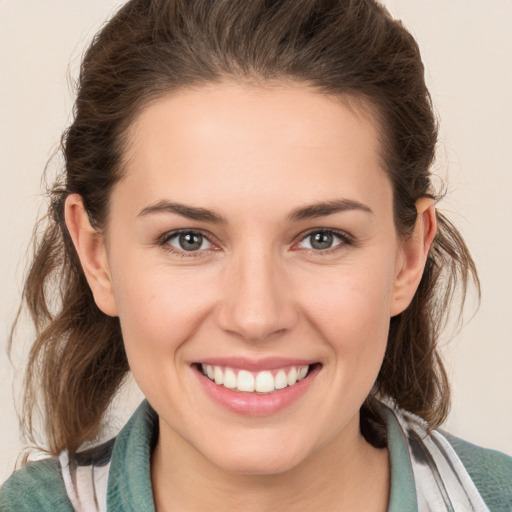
125,463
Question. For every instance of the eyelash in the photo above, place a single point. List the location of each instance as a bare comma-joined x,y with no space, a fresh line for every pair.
163,241
345,239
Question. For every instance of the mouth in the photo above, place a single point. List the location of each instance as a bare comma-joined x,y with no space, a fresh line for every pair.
256,388
262,382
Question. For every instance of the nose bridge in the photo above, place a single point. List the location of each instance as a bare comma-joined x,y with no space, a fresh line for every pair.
257,302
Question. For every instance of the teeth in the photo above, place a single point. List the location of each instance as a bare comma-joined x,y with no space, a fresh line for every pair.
280,381
230,379
245,381
292,377
218,375
262,382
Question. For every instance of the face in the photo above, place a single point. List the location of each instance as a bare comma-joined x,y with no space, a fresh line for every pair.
254,265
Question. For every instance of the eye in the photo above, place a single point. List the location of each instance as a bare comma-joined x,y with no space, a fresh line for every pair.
323,240
188,241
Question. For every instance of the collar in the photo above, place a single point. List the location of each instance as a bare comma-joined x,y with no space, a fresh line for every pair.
426,473
129,485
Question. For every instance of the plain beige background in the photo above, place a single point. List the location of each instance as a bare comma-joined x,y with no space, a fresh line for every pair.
467,48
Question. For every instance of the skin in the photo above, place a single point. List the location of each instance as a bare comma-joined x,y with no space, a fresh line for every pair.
256,288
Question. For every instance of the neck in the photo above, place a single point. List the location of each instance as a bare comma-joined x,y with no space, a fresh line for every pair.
348,474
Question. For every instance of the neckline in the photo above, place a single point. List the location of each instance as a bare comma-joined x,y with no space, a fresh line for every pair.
129,485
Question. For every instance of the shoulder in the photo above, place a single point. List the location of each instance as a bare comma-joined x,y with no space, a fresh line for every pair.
36,486
490,470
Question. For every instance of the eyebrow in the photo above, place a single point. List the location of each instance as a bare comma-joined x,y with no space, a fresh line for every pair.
312,211
190,212
323,209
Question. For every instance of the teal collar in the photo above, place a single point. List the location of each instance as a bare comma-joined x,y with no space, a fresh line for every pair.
129,481
403,489
129,485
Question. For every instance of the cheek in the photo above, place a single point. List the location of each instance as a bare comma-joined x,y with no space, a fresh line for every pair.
351,309
158,309
159,312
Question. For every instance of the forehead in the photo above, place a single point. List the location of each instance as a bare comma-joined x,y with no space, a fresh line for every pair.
255,142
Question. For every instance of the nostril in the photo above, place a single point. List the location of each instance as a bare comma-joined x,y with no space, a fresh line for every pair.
256,308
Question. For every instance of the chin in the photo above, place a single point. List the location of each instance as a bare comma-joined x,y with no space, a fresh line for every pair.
256,457
258,464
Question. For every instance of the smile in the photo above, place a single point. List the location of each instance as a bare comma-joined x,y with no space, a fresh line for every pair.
256,388
266,381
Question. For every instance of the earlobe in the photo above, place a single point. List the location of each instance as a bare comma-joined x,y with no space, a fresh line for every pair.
90,247
415,250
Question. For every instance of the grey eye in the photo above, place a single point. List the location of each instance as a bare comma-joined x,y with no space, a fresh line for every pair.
189,241
321,240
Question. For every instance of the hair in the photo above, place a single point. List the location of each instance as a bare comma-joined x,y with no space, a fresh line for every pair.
352,49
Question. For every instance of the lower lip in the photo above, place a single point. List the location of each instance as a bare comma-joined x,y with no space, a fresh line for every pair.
256,404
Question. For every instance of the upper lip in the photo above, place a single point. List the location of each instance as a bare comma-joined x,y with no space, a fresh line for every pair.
256,365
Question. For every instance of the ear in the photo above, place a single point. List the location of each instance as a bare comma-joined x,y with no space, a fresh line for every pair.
414,250
90,247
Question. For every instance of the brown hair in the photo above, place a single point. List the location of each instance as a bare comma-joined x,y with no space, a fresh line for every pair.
349,48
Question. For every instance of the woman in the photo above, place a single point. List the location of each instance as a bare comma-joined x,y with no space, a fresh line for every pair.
247,224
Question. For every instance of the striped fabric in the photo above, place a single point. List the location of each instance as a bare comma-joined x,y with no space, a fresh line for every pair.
441,481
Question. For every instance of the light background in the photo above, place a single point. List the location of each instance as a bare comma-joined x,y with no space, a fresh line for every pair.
467,48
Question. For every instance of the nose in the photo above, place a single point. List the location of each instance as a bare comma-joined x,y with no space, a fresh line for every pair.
257,300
